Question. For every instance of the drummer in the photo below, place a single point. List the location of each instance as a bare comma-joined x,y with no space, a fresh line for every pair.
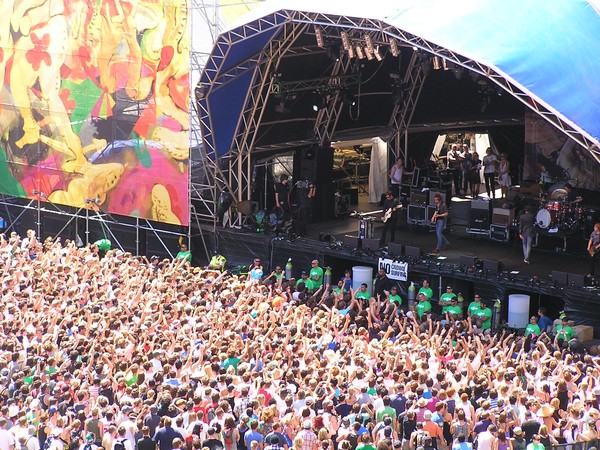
572,195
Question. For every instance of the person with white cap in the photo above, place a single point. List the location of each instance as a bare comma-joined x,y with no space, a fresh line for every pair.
309,438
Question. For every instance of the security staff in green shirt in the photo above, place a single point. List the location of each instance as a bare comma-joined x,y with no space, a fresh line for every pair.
483,317
395,297
363,295
426,290
446,299
533,327
308,283
564,333
424,306
474,306
454,309
184,253
316,274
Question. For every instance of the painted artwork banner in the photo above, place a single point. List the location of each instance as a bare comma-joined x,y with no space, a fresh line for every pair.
94,106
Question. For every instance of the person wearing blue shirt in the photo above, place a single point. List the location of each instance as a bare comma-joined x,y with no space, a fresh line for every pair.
544,321
347,280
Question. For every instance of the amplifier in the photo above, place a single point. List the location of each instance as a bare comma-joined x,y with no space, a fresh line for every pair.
479,221
416,215
481,204
502,216
499,233
418,197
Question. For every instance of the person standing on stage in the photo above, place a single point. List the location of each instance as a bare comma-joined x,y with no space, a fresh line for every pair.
475,175
593,248
305,192
282,194
526,232
504,175
439,218
389,218
454,160
490,163
397,173
465,165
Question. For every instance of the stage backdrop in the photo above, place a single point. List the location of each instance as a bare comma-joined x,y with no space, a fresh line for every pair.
94,105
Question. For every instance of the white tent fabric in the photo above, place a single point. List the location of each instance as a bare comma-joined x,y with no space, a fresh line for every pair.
378,177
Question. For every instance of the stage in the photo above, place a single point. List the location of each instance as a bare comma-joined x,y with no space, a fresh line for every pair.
472,262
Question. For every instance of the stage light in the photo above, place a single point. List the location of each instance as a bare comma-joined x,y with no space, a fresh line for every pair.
350,52
320,102
436,63
319,36
445,64
394,47
201,91
346,41
369,42
377,54
369,55
359,52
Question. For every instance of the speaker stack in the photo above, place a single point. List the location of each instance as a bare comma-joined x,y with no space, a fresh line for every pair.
480,215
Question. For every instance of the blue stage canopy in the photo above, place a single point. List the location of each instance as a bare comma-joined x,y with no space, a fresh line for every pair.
548,50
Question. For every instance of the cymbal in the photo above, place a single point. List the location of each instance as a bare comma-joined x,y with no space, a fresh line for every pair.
559,194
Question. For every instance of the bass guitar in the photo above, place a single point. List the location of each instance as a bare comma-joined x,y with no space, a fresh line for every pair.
389,213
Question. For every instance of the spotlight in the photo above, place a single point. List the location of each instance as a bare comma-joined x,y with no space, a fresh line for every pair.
320,101
378,56
394,47
369,42
369,55
436,63
350,52
445,64
319,36
346,41
359,52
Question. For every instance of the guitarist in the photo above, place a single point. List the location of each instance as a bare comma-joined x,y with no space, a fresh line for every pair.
593,248
389,218
439,218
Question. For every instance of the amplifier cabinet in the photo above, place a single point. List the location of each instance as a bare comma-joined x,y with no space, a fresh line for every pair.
499,233
416,215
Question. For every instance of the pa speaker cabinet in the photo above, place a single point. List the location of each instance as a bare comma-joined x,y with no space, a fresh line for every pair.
418,197
502,216
370,244
395,249
499,233
479,217
413,252
576,280
351,242
416,215
468,261
559,278
491,265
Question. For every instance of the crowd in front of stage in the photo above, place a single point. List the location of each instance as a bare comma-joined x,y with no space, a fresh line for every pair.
104,349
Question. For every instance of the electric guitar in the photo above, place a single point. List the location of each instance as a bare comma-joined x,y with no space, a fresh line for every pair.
389,213
592,251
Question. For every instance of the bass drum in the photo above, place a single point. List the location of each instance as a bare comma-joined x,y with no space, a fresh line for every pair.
543,219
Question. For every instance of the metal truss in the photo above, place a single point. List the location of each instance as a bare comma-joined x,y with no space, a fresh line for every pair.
401,117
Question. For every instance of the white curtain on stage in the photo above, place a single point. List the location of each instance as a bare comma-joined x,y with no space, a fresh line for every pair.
378,176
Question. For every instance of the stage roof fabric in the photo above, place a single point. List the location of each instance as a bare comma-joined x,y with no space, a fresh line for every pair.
548,49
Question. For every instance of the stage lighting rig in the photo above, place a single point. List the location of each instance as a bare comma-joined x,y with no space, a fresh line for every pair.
319,37
394,48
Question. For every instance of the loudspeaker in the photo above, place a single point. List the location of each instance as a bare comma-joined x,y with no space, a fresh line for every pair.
323,206
370,244
395,249
418,197
416,214
559,278
351,242
576,280
491,265
314,164
413,252
468,261
502,216
460,213
479,220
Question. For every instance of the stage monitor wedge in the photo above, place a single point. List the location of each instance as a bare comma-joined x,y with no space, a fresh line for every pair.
351,242
491,265
576,280
395,249
413,252
559,278
468,261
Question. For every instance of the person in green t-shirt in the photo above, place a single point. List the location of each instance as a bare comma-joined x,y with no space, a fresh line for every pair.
184,253
363,295
423,307
454,309
308,283
564,333
316,274
395,297
533,327
446,299
483,317
365,443
426,290
474,306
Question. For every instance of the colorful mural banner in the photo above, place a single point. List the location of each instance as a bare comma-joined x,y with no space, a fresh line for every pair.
94,105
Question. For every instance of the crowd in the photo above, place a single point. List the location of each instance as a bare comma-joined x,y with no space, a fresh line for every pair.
115,351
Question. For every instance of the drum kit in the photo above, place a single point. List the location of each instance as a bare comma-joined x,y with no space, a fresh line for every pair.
559,214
